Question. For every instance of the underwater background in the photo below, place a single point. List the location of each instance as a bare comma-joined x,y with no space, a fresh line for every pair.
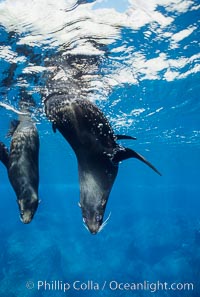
139,62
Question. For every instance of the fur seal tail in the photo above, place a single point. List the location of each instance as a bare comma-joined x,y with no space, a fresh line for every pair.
4,155
125,153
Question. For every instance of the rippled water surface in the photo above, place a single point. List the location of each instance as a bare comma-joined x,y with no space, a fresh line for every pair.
139,62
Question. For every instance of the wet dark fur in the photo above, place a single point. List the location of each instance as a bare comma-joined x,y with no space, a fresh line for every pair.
22,165
91,137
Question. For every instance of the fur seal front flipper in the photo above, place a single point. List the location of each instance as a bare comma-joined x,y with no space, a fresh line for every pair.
98,154
4,154
13,127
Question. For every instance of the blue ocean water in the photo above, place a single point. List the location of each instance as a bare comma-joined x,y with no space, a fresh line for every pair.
138,62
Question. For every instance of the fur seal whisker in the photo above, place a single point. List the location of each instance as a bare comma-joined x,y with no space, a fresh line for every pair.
104,223
86,227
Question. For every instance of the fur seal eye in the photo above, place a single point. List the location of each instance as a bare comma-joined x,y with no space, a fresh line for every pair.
22,213
98,218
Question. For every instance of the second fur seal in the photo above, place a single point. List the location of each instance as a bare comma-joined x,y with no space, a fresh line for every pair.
91,137
22,163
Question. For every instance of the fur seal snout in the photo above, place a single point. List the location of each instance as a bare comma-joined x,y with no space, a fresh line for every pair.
28,207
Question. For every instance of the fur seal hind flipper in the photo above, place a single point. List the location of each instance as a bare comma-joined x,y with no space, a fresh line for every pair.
4,154
124,153
119,137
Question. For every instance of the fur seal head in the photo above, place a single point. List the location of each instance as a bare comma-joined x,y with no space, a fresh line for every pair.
93,200
27,208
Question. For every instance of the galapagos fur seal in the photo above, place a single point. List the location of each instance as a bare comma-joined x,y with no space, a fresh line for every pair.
98,154
22,163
